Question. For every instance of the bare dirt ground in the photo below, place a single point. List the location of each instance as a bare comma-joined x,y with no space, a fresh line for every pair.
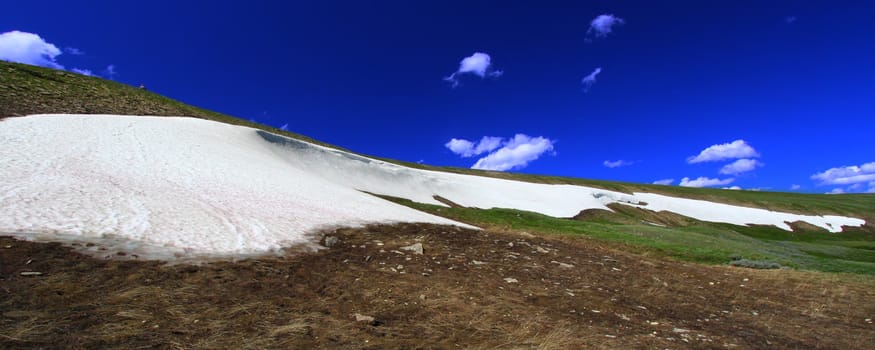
468,290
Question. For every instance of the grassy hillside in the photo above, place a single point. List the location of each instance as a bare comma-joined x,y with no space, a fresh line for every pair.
27,90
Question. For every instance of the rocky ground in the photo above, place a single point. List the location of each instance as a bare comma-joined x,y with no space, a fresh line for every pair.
423,287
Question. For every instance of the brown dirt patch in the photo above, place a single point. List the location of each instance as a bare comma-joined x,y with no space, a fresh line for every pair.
568,294
624,214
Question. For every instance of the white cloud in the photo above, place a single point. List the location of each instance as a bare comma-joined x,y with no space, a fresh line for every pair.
795,187
664,182
602,25
705,182
285,127
617,163
871,187
479,64
467,148
28,48
589,80
790,19
837,190
848,175
82,71
740,166
461,147
514,153
732,150
734,188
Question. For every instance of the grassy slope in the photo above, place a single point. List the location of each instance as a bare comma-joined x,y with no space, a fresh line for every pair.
32,90
711,243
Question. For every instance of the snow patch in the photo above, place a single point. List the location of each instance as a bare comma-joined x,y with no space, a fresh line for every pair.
203,187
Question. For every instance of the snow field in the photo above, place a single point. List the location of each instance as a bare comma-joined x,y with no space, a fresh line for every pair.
204,187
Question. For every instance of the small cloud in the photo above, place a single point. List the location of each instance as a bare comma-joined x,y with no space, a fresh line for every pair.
837,190
479,64
513,153
617,163
734,188
795,187
461,147
28,48
732,150
790,19
467,148
73,51
110,72
853,176
589,80
705,182
741,166
285,127
82,71
664,182
602,25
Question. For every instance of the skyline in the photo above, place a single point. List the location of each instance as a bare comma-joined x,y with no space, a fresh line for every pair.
726,95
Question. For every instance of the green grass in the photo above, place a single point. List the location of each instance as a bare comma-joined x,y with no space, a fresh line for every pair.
702,242
27,90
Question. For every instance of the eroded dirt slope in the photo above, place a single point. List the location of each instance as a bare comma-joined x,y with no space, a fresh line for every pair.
468,289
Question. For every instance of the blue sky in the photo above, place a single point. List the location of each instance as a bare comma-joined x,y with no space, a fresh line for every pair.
773,95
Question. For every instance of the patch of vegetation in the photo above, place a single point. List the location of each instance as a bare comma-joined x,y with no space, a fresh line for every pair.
755,264
701,242
26,89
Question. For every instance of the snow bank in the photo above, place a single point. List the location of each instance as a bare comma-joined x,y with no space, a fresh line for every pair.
482,192
200,186
204,187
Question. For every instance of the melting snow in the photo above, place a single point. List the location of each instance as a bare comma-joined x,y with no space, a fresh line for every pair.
210,188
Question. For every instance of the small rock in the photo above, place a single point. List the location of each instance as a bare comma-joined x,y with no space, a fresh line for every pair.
562,264
416,248
511,280
31,273
400,267
475,262
330,241
680,330
541,250
363,318
422,296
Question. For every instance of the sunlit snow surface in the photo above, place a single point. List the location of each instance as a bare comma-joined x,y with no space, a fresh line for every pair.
204,187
